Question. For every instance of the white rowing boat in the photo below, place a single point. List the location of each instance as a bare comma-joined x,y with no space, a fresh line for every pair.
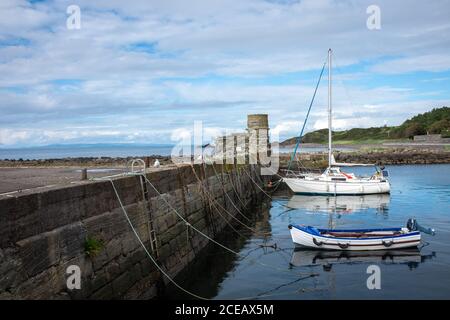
355,239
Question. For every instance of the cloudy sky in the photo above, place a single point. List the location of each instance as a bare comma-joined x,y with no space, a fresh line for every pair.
143,71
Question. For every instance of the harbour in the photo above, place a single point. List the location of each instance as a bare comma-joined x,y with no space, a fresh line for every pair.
313,274
217,227
224,159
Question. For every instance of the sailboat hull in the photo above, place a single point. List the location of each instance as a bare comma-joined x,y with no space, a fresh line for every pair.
304,186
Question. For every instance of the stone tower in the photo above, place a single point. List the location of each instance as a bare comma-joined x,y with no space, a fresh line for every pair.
258,132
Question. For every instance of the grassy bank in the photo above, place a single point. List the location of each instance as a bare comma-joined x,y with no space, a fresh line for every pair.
436,121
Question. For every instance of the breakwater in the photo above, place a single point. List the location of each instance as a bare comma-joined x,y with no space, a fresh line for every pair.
44,232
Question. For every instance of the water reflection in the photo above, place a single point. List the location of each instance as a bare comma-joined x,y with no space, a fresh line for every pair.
340,204
410,257
265,271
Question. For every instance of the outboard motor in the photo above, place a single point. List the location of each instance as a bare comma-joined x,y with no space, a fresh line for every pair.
384,173
413,225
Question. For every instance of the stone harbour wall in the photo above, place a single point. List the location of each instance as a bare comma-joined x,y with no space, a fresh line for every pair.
44,232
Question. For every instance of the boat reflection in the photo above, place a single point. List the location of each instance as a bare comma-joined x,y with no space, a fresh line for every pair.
410,257
339,204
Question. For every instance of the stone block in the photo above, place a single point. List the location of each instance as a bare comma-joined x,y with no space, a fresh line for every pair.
104,293
121,284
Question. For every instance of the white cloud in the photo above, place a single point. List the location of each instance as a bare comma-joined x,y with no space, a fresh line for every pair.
292,127
214,61
11,137
181,134
432,62
343,124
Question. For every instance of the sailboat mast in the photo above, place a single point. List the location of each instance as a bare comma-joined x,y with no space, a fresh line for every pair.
329,107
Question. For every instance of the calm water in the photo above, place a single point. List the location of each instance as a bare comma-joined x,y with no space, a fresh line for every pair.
75,151
417,191
116,150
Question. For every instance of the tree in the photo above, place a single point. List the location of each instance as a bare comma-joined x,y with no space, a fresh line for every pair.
414,129
440,126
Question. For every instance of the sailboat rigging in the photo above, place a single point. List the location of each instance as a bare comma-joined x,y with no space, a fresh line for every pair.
334,181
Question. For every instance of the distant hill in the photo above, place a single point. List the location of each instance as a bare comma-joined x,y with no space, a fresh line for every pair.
436,121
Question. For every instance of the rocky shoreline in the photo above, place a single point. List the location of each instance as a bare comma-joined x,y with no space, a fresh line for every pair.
395,156
88,162
388,156
312,160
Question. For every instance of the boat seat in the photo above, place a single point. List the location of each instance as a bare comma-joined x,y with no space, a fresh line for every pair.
359,234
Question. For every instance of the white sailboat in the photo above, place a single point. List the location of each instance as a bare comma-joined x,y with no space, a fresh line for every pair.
334,181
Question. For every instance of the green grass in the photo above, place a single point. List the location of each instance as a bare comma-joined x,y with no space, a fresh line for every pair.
93,246
436,121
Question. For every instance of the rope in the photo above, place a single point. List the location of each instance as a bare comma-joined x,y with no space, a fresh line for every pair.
188,224
283,205
182,218
233,186
258,185
146,251
228,196
267,294
306,118
213,200
205,235
226,193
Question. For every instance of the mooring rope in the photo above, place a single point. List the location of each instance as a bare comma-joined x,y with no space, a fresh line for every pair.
147,252
270,197
205,235
267,294
213,200
258,185
232,185
255,231
229,224
228,196
188,224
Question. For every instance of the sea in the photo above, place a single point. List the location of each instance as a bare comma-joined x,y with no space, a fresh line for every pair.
109,150
85,150
270,267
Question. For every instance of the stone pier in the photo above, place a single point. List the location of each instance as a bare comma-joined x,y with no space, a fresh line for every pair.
45,231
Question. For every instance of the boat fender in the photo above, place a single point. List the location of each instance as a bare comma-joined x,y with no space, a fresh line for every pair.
387,244
317,243
343,245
